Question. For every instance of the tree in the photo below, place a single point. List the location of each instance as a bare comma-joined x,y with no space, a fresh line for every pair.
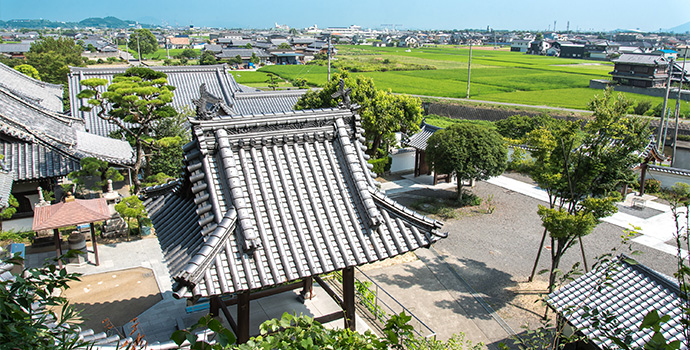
139,98
131,208
189,54
467,150
33,315
272,81
539,36
581,168
248,46
254,59
28,70
52,57
299,82
91,48
94,167
382,112
142,40
208,58
284,46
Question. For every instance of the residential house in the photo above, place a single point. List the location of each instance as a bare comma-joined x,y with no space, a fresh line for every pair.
15,50
520,45
640,70
175,42
538,47
670,55
245,55
569,50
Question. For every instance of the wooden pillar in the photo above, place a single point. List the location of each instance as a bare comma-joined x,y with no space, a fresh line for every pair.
243,317
214,306
307,292
416,162
349,297
93,241
58,245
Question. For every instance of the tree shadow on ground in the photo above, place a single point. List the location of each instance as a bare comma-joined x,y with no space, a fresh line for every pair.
473,288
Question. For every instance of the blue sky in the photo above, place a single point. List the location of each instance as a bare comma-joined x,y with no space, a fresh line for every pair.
411,14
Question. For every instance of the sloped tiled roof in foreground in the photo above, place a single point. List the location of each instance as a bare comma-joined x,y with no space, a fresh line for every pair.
635,291
276,198
48,96
420,139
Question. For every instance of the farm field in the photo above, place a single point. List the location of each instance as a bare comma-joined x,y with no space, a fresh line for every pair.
497,75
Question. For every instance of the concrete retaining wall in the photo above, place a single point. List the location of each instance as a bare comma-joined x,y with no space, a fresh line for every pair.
656,92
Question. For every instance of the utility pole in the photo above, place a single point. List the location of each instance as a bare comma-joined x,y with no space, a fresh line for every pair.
469,70
329,56
663,109
167,47
680,89
138,49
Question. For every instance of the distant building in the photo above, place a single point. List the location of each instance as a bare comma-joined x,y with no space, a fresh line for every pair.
640,70
520,45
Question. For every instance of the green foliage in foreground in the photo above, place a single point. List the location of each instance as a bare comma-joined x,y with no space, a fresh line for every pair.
29,304
303,333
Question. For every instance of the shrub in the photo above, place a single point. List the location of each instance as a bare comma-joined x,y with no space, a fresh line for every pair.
381,165
16,237
642,107
652,186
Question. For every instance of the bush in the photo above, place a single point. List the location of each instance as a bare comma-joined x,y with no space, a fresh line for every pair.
16,237
652,186
642,107
519,161
381,165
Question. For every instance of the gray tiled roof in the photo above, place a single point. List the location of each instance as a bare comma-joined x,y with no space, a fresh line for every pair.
276,198
15,48
39,143
32,161
229,53
6,178
47,95
646,60
176,222
266,102
186,79
420,139
669,170
635,291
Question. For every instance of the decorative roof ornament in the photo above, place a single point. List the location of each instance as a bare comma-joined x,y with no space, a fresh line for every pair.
346,103
209,106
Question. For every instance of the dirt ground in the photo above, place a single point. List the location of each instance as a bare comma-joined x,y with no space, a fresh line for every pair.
120,296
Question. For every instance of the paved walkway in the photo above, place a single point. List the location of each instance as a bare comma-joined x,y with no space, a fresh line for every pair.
656,230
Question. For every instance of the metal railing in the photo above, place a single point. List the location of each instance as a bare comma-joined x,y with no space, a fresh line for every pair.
382,304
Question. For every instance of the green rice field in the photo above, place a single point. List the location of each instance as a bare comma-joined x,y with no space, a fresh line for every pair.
497,75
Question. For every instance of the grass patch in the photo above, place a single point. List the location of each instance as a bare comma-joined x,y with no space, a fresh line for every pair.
444,122
445,208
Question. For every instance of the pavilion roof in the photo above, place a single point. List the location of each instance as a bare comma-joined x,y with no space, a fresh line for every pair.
77,212
275,198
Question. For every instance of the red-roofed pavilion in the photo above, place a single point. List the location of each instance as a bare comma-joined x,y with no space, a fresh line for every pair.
70,213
